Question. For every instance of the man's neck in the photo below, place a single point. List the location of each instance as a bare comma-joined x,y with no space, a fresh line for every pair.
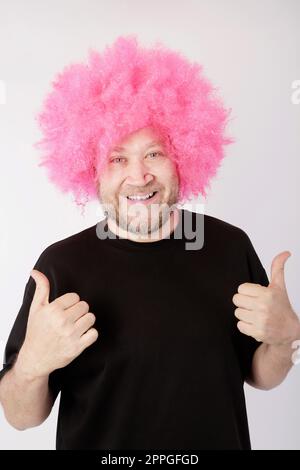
163,232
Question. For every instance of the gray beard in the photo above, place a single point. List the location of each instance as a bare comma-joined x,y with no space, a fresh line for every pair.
155,220
148,224
145,226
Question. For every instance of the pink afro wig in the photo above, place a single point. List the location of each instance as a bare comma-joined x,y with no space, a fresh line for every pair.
127,87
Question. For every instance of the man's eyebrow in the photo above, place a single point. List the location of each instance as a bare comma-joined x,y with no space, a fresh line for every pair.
155,142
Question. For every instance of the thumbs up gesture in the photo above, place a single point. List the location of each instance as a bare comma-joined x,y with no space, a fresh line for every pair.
57,332
265,313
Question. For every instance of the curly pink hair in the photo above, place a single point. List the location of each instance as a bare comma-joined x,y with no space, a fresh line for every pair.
127,87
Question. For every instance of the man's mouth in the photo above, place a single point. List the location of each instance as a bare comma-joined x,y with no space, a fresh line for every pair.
142,198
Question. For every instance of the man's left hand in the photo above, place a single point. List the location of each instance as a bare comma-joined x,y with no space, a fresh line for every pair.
265,313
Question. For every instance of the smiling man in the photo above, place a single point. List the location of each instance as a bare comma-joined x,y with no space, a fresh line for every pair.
136,329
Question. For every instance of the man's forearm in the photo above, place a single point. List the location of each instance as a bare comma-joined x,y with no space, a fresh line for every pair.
270,365
26,400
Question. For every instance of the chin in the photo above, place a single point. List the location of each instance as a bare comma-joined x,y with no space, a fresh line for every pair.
145,224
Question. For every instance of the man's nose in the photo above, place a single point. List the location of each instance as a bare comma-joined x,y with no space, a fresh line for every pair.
138,174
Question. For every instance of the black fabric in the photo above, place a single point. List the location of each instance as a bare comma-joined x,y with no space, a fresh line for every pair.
168,368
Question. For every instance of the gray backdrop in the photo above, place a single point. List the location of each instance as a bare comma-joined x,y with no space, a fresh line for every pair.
250,49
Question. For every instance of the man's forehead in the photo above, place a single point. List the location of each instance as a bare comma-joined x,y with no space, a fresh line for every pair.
146,144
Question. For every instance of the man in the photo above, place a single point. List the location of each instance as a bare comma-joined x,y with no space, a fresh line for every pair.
139,333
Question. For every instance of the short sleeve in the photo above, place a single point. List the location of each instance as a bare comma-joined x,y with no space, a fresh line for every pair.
254,272
18,331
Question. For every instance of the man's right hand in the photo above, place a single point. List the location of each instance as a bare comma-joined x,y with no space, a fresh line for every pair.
57,332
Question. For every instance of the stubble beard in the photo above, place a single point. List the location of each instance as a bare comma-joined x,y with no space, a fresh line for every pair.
140,219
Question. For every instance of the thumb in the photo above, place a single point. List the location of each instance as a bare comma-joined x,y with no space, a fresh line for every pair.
277,269
42,290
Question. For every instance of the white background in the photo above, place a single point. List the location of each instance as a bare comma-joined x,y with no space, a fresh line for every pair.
251,51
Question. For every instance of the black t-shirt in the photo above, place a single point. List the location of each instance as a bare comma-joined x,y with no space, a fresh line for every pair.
168,368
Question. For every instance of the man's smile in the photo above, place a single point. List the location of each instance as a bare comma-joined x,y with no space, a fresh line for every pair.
147,198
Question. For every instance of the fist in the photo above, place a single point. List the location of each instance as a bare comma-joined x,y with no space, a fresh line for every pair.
57,332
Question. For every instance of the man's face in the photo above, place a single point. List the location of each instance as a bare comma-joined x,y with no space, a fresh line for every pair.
139,166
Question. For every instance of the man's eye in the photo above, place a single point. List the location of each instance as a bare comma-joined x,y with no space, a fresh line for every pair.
154,153
117,160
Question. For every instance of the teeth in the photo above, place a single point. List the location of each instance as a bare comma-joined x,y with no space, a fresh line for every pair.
140,198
